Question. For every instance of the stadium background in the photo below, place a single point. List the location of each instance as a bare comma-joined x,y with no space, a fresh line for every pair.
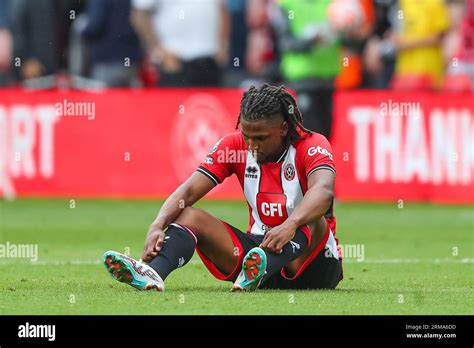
87,156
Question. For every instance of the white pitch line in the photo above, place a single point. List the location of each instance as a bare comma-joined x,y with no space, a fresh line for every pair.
395,261
198,262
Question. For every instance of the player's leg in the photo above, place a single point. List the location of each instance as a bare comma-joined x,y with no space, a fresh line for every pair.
196,228
323,272
292,259
320,267
318,230
125,269
258,265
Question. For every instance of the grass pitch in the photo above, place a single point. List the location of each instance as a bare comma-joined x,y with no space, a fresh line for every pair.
418,259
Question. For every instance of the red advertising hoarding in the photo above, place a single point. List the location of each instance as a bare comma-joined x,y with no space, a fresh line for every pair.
144,143
413,146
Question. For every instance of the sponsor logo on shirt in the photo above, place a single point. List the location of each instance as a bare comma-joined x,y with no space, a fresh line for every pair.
214,149
314,150
271,208
209,160
251,172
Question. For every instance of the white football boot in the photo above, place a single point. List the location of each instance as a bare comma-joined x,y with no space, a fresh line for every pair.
127,270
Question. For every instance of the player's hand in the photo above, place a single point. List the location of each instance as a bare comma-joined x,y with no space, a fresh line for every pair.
277,237
153,243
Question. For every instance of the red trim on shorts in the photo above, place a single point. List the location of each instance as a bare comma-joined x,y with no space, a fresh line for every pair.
216,272
332,225
311,256
307,232
190,231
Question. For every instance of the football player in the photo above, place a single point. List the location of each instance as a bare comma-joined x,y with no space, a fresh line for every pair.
287,175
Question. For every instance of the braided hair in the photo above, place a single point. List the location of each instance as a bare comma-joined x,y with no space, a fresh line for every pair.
269,101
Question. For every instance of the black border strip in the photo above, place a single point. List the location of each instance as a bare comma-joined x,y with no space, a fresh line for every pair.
328,330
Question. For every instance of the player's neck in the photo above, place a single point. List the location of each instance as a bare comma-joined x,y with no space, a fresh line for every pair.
278,156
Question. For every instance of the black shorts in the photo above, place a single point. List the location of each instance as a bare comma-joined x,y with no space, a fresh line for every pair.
320,271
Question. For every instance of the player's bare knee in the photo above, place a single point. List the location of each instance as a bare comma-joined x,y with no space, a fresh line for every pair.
191,218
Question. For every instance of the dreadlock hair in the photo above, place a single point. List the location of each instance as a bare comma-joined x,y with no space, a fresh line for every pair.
269,101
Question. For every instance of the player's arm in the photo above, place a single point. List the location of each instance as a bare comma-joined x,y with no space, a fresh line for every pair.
192,190
314,205
316,200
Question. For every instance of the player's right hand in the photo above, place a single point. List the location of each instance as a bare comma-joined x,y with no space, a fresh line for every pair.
153,243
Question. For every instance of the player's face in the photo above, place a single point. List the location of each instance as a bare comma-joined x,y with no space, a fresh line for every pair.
265,138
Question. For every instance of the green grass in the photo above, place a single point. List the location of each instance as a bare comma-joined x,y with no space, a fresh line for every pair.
408,267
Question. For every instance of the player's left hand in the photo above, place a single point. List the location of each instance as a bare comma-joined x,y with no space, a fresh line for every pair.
276,238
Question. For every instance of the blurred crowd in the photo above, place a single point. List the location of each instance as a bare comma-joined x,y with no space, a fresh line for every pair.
310,44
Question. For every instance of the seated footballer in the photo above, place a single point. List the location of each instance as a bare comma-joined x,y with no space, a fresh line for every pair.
287,175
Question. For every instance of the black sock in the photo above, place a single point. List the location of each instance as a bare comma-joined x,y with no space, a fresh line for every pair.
291,250
177,250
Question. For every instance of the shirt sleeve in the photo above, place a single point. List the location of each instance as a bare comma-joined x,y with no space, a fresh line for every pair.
216,165
317,154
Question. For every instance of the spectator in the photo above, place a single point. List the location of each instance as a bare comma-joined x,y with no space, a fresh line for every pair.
114,49
452,38
188,40
40,31
353,41
461,57
34,39
260,45
310,59
235,70
379,52
256,43
419,43
5,43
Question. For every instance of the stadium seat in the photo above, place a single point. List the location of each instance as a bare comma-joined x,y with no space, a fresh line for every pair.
457,83
408,82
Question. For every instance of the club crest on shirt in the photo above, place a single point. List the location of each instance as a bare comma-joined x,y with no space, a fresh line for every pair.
289,172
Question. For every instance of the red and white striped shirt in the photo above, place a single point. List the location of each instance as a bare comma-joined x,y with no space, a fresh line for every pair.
273,189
